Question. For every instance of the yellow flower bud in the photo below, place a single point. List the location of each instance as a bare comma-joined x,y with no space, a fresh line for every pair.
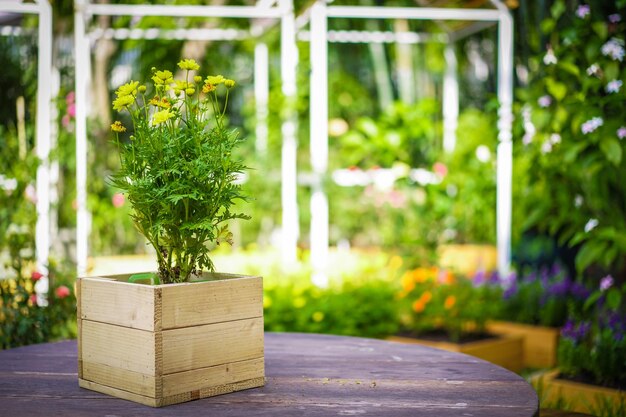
190,91
142,89
197,79
229,83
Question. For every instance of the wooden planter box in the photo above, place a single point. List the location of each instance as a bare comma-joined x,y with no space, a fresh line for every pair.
540,342
583,398
166,344
505,351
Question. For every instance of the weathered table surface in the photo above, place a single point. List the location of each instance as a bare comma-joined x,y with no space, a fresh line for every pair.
307,375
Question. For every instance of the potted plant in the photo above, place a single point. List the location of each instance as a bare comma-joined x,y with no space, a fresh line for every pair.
591,353
451,313
183,332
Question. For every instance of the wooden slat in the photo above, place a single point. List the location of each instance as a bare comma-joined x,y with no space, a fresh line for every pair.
123,379
213,344
141,399
212,301
540,342
118,347
121,303
214,376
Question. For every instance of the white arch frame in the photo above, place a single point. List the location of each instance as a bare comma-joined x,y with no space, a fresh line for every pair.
276,9
43,10
318,15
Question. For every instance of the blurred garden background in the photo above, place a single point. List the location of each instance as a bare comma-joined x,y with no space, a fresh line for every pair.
412,226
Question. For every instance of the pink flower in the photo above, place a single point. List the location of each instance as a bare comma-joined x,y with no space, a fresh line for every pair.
30,193
70,98
71,110
583,11
33,299
36,276
62,292
440,169
621,132
396,199
66,120
118,200
606,283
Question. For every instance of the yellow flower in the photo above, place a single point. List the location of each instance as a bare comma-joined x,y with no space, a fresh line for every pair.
190,91
197,79
142,89
188,64
449,302
127,89
318,316
161,117
118,127
163,77
208,88
122,102
229,83
395,262
182,85
214,79
407,282
420,275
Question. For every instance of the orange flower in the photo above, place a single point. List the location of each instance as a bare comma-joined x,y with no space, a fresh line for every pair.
426,296
420,274
449,302
419,306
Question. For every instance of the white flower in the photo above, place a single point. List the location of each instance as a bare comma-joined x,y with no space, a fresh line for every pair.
578,200
591,125
483,154
613,86
544,101
591,224
593,69
613,48
549,58
555,138
546,147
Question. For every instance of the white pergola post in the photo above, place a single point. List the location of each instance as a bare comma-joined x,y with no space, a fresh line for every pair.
319,107
450,99
319,142
261,96
289,61
43,134
82,52
505,145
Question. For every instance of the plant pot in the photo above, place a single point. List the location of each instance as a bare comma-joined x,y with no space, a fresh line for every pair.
505,350
540,342
166,344
467,259
577,396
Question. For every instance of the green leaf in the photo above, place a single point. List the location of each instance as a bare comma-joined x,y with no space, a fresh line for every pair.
613,298
557,9
601,29
611,71
569,67
590,252
572,153
548,25
556,89
612,150
591,300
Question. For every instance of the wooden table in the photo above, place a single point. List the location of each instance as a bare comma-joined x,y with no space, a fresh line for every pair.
307,375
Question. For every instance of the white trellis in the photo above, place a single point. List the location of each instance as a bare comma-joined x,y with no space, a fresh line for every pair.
319,36
43,10
269,9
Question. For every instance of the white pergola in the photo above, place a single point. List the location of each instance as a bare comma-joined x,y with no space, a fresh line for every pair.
264,9
43,10
319,37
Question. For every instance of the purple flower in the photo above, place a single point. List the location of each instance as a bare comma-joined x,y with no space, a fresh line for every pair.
575,332
613,48
479,278
559,289
615,18
583,11
591,125
544,101
621,132
579,291
613,86
606,283
510,291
